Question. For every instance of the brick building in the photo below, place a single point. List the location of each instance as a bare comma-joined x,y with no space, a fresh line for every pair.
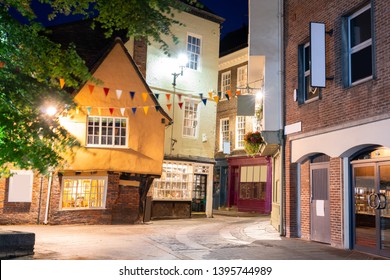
337,166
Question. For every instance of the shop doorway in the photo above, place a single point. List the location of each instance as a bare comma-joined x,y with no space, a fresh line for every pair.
371,196
199,193
319,202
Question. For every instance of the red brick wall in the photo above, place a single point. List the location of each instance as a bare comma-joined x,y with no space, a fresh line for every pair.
338,105
335,200
121,205
23,212
305,200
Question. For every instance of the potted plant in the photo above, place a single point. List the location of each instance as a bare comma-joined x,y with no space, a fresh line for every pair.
253,141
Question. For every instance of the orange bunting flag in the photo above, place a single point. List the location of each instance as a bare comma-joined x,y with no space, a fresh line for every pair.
238,92
211,95
146,109
180,104
168,96
144,96
100,111
62,83
111,110
229,92
106,90
118,93
216,99
169,106
122,111
91,87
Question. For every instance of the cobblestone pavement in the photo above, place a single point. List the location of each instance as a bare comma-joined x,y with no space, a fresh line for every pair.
218,238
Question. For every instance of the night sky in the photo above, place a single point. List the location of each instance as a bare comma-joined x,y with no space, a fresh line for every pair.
235,13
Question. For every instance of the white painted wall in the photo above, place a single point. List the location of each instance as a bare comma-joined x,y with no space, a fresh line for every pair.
265,40
159,77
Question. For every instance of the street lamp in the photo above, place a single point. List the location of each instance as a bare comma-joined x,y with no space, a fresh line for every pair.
181,62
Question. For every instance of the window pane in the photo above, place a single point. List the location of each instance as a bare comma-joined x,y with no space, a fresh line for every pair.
360,28
361,64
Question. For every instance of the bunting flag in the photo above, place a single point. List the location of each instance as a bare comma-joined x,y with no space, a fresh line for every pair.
204,101
157,108
134,109
132,93
179,95
201,96
122,111
168,96
89,109
145,96
227,96
99,111
211,95
91,87
238,92
106,90
118,93
111,110
180,104
146,109
157,95
216,99
169,106
229,92
62,83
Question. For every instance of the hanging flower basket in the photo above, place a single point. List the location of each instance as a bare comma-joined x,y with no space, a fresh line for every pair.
253,143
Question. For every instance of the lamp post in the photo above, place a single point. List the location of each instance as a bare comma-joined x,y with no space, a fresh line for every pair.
182,61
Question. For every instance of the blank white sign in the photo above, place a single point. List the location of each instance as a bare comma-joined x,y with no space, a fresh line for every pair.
20,186
317,52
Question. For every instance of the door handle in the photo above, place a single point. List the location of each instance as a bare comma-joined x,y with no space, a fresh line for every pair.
374,200
382,201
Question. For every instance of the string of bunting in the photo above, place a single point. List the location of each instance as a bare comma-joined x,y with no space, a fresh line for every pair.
119,92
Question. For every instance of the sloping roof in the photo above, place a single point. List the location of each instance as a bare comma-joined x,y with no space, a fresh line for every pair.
233,41
105,54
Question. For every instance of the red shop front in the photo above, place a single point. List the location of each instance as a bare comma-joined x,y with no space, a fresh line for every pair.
250,184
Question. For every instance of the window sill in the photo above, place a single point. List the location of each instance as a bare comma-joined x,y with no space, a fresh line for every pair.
81,209
107,147
370,78
312,100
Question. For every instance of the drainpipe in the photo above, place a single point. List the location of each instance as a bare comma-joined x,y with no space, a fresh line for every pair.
40,201
282,106
48,197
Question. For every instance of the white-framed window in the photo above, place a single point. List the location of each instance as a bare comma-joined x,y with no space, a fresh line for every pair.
242,76
240,132
191,118
176,182
20,186
224,135
359,49
83,192
194,44
226,81
106,131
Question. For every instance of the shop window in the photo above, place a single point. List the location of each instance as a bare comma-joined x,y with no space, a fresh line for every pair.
107,132
358,47
83,193
253,182
176,182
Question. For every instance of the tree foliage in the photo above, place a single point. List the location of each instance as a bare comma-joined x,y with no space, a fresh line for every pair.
31,66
